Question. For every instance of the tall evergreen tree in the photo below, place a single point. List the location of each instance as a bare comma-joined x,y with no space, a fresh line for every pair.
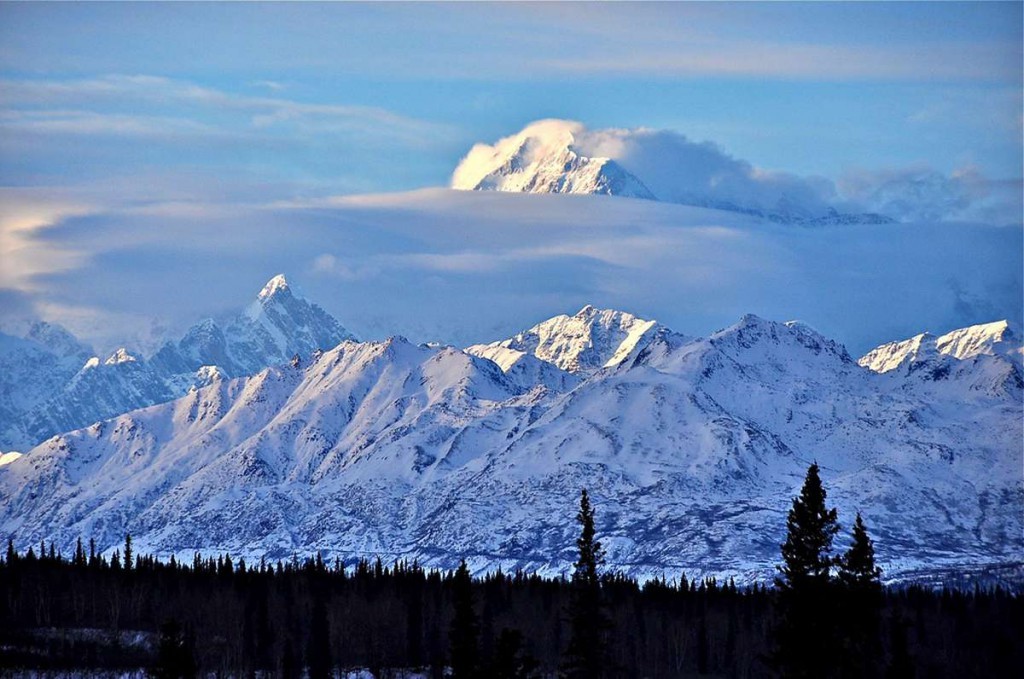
128,563
857,569
588,622
464,633
860,597
810,528
805,640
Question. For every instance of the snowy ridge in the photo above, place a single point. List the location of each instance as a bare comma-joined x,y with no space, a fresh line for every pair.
692,450
996,339
50,384
978,360
584,342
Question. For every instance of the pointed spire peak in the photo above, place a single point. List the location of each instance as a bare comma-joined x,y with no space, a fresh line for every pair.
275,286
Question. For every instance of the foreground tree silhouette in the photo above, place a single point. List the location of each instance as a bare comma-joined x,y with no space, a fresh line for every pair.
859,620
857,569
805,639
588,623
464,634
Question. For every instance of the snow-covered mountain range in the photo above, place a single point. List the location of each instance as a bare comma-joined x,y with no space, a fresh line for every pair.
51,383
548,156
692,449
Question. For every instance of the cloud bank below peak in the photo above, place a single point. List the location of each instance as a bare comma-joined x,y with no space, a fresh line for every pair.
677,169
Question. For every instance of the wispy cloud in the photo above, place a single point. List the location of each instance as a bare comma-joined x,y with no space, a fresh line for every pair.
24,212
923,194
802,61
90,123
26,100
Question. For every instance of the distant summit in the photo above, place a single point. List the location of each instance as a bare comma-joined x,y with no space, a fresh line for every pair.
562,156
50,383
542,159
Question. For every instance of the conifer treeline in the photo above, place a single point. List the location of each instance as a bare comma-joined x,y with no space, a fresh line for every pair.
827,616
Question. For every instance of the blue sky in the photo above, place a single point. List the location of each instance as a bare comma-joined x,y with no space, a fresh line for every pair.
205,109
809,88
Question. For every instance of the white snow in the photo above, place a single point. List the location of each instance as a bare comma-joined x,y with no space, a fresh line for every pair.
48,396
7,458
563,156
588,340
542,159
275,285
692,449
989,339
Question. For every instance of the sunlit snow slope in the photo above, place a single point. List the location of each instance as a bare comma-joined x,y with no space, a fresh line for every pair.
50,384
692,449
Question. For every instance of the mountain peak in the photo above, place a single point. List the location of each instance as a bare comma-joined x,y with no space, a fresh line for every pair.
994,339
771,337
543,158
563,156
585,342
278,285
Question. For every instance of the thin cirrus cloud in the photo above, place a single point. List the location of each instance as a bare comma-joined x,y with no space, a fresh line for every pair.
804,61
26,105
522,41
91,123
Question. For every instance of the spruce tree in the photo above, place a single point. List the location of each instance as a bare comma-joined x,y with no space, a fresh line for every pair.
128,552
805,634
585,656
859,620
857,569
810,528
464,633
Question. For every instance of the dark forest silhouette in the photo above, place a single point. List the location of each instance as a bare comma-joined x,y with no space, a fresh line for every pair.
827,615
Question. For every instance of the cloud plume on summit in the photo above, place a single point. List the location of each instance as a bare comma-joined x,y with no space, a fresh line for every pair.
676,169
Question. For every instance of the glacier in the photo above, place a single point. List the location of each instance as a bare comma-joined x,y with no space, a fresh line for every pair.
692,449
